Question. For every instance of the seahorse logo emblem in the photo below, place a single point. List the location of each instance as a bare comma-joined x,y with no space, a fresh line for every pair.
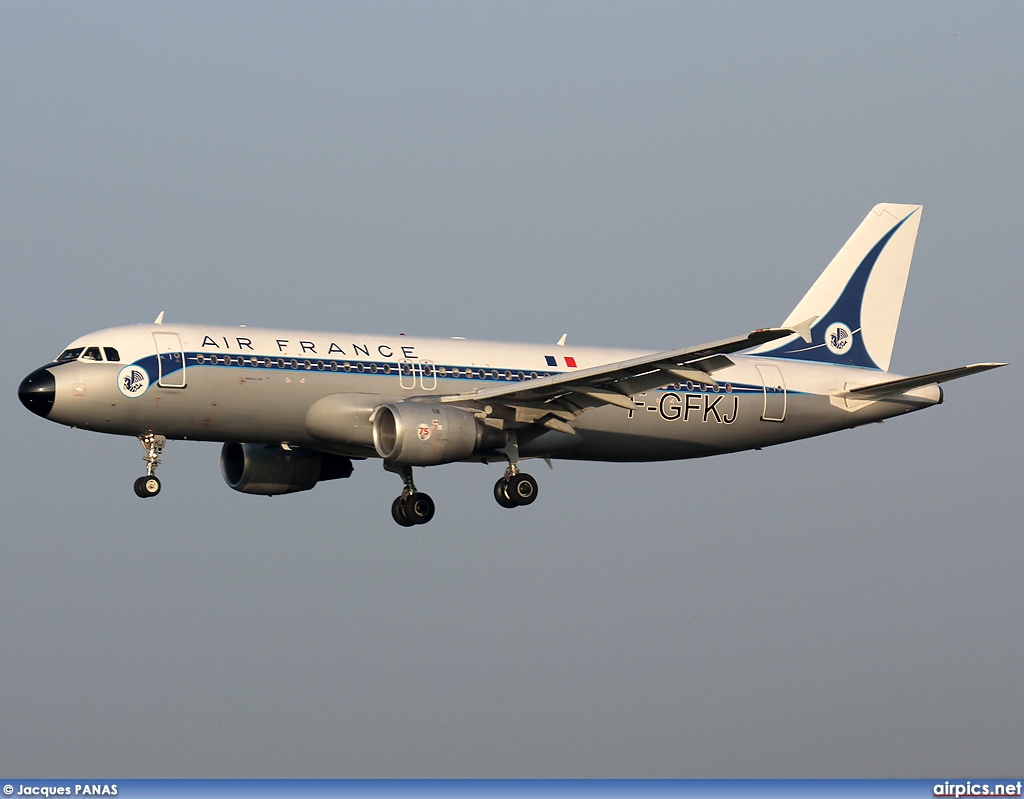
838,338
132,380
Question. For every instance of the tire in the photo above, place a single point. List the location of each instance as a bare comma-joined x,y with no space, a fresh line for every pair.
500,495
522,489
148,486
418,508
398,513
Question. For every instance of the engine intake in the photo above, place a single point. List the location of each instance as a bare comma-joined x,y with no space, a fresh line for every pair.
269,469
421,434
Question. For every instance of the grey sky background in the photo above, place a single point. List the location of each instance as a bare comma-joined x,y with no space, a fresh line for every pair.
642,174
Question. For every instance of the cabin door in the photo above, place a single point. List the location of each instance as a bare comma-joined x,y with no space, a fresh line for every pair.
774,393
170,360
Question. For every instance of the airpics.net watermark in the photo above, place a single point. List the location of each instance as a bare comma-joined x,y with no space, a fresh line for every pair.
969,788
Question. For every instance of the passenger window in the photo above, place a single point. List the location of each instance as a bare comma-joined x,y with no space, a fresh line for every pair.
92,354
70,355
112,354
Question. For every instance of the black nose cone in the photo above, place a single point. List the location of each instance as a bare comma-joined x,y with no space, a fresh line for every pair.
36,391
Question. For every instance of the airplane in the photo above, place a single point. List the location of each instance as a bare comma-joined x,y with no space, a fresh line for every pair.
294,408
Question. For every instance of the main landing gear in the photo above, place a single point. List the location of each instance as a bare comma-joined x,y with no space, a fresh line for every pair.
411,506
515,488
149,485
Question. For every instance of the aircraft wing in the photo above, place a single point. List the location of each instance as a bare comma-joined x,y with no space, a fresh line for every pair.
903,384
553,401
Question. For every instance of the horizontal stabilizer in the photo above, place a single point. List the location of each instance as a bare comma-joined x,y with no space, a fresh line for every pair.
904,384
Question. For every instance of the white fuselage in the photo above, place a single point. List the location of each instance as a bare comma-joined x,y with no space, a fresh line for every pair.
245,384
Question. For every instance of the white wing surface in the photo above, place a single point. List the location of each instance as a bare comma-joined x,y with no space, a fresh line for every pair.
556,400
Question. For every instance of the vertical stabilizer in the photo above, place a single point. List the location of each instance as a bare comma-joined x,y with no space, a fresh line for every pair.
857,299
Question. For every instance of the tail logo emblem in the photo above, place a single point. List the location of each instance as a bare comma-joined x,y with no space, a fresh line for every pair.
133,381
838,338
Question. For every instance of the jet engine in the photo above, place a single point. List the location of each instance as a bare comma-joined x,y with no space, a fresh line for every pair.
422,434
271,469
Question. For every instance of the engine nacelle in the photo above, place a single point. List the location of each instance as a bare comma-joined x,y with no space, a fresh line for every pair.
271,469
422,434
343,418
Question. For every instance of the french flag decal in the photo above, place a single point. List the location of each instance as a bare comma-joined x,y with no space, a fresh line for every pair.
553,361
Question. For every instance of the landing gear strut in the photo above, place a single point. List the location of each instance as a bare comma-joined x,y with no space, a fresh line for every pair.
149,485
514,488
411,506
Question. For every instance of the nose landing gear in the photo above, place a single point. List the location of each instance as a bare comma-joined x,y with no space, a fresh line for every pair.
149,485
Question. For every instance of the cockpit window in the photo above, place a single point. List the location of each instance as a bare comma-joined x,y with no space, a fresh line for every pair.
89,354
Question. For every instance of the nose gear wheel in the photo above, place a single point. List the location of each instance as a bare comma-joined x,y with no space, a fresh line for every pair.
147,486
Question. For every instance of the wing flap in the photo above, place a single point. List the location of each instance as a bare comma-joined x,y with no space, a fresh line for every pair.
604,396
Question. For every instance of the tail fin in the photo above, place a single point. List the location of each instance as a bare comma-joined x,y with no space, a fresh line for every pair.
854,306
